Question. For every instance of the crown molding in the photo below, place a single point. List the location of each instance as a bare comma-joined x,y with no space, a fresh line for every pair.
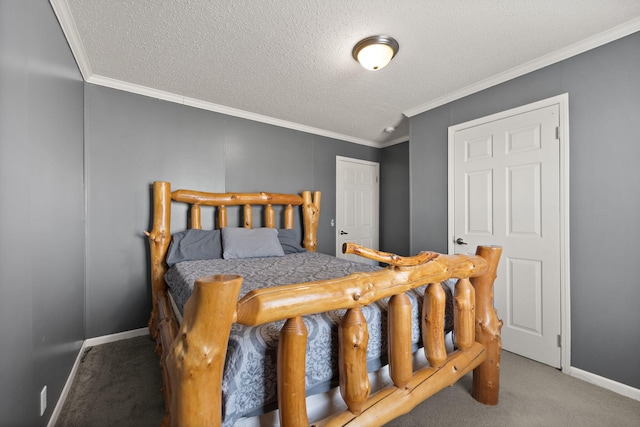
204,105
209,106
70,30
134,88
605,37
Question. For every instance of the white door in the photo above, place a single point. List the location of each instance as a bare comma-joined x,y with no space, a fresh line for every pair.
507,193
357,200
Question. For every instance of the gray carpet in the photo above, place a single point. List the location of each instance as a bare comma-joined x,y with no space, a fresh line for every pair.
118,384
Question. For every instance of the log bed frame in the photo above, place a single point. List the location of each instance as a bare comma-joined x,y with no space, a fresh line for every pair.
192,353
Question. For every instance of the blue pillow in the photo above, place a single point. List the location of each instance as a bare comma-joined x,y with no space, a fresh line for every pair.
289,241
238,242
194,244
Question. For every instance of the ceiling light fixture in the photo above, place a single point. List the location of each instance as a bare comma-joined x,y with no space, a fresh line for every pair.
375,52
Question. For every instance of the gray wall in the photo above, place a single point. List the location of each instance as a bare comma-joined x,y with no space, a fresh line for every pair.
395,200
132,140
604,111
41,220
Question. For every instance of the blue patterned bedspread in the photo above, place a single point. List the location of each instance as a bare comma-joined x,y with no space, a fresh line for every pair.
249,383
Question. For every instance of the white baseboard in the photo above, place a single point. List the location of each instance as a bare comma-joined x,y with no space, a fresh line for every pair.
603,382
67,386
86,344
105,339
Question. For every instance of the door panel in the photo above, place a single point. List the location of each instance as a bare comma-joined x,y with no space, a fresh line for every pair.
479,195
524,204
524,290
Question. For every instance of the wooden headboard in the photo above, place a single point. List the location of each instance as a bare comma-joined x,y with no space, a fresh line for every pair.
160,234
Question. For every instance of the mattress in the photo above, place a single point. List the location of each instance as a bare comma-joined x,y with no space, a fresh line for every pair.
250,377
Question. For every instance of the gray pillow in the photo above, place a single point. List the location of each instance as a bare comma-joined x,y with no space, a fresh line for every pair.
238,242
290,241
193,244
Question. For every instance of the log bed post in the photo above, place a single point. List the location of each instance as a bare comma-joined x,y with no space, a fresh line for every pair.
248,216
433,325
195,361
464,314
399,348
311,218
159,239
292,356
353,337
486,377
269,217
196,217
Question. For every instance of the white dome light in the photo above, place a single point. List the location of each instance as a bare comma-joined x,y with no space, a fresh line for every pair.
375,52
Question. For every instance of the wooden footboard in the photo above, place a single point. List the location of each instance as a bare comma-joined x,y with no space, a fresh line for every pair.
195,359
193,353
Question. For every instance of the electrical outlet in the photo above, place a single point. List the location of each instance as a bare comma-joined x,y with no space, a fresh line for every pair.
43,400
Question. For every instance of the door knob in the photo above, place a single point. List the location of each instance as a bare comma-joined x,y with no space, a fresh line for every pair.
459,241
342,233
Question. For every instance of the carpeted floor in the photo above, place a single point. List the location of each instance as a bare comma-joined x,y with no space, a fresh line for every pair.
118,384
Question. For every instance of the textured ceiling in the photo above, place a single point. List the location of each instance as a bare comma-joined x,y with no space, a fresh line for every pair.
288,62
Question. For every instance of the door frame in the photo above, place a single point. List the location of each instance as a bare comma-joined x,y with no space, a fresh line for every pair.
563,134
376,165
